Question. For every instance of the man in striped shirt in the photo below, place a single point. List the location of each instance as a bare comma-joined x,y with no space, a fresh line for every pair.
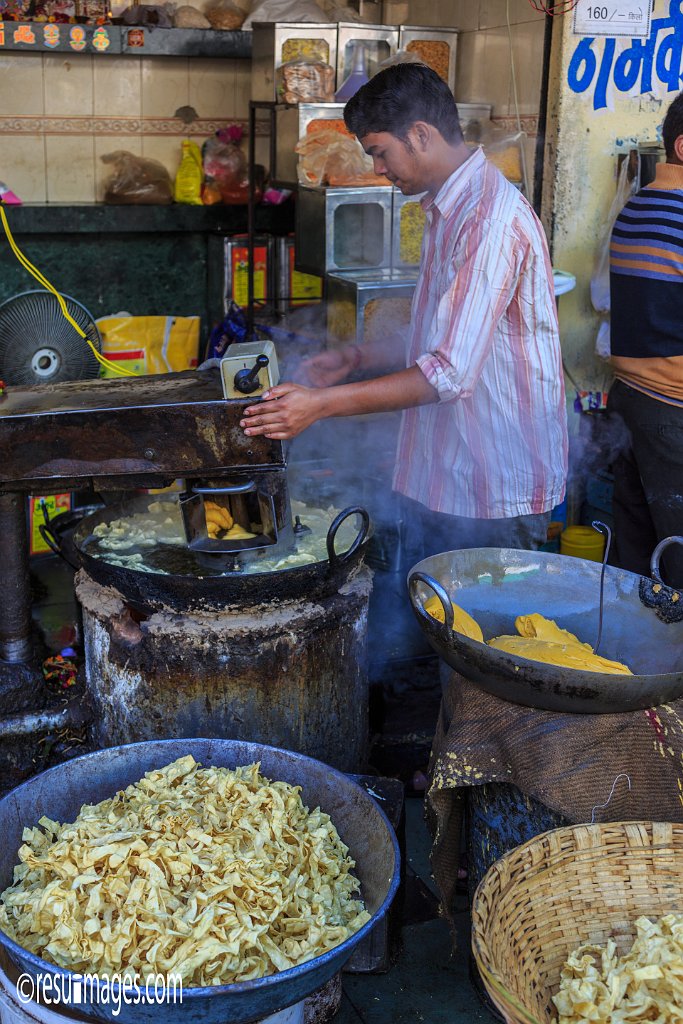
646,285
482,450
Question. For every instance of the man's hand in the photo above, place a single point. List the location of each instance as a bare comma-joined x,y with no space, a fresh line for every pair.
283,412
330,367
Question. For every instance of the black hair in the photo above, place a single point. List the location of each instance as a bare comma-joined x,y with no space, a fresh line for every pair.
399,96
673,126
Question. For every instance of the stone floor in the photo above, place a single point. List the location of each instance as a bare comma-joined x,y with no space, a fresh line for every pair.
428,983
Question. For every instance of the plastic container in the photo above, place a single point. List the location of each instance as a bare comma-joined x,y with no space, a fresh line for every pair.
582,542
357,77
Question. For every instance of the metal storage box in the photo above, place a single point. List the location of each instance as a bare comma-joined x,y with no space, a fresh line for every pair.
236,270
368,305
436,47
343,228
380,42
276,43
407,227
292,288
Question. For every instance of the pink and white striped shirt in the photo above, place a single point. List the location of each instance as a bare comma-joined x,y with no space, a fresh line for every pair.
484,332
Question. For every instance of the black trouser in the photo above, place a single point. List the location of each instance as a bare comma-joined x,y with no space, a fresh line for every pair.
648,482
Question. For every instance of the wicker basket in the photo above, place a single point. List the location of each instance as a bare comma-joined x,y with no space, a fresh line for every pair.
584,883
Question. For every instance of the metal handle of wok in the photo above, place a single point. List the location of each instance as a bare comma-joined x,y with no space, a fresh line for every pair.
228,489
52,541
429,581
657,556
354,510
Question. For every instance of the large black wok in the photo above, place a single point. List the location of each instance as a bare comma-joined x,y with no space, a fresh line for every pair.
363,827
194,587
495,585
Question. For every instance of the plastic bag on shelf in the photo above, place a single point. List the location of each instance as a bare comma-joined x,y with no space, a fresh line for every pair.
190,17
332,157
187,187
306,81
504,149
136,180
224,15
160,15
225,167
600,276
285,10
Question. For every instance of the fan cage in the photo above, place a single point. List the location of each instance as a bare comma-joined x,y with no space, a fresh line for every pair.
38,345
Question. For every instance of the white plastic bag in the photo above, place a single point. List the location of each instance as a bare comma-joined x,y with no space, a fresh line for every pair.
600,278
285,10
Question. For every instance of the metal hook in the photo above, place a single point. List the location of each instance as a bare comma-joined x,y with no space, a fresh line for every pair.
604,529
599,807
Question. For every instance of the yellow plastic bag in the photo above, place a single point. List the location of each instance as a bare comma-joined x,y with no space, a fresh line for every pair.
190,176
150,344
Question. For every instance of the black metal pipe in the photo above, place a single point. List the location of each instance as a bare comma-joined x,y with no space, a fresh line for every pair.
542,116
15,583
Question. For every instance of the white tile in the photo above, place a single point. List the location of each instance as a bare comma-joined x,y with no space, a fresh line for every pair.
482,73
117,86
527,42
165,85
68,84
242,85
166,149
70,168
522,10
212,87
497,62
22,167
21,84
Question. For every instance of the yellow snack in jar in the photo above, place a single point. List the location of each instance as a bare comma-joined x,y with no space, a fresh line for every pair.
305,49
412,225
435,53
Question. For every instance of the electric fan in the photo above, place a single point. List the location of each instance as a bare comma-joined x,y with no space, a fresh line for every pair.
38,345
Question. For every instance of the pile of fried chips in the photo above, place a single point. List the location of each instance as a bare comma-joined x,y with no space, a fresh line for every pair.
216,875
646,984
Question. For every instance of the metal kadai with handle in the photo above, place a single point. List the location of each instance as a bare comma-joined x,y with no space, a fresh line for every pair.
240,635
642,626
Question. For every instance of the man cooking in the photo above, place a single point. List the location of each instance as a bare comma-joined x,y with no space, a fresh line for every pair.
482,449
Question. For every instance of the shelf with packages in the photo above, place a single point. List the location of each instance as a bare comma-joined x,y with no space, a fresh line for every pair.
129,40
149,260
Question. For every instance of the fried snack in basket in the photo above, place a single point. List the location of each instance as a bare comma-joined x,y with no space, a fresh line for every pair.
646,984
215,875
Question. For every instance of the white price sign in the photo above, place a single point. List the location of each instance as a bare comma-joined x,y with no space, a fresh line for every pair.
612,18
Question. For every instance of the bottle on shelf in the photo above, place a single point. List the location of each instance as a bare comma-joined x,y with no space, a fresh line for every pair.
357,77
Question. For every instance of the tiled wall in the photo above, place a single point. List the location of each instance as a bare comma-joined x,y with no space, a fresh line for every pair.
60,112
484,67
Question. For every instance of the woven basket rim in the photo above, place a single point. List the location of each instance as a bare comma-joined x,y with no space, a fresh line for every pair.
492,980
